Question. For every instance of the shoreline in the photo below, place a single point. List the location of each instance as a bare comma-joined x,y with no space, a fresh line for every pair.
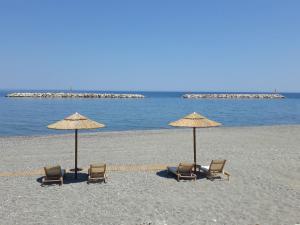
154,130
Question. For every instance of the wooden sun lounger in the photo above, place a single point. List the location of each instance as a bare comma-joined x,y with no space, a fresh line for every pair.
97,172
215,169
184,170
53,174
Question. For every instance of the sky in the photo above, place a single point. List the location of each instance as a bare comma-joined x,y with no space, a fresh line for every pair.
152,45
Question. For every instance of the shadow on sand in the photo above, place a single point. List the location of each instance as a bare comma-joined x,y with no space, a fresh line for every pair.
68,179
166,174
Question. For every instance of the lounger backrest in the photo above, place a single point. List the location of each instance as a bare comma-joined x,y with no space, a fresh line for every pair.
185,168
217,166
53,171
97,170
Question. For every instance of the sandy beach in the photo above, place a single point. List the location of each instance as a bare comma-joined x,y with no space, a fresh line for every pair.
264,186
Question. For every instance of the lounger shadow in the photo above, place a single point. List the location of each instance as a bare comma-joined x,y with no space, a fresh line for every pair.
68,178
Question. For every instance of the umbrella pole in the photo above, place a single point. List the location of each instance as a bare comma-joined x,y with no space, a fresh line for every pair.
76,144
194,134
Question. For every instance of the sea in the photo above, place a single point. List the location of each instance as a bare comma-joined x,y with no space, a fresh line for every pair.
30,116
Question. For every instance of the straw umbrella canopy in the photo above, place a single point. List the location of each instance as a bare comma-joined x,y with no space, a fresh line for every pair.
195,120
75,122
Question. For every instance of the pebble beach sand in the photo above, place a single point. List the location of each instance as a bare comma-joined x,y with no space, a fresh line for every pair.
264,186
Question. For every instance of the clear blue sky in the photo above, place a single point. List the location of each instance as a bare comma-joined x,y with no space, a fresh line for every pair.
150,45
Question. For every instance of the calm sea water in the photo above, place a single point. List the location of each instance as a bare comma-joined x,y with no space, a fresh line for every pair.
30,116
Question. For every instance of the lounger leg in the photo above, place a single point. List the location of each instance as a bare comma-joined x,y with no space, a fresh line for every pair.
228,175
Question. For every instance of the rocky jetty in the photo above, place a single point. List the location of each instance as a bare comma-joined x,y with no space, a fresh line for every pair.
235,96
71,95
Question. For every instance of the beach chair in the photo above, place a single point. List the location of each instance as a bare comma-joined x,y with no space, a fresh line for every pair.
97,172
215,168
53,174
184,170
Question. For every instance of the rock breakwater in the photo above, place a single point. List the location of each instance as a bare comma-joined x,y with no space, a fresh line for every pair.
235,96
71,95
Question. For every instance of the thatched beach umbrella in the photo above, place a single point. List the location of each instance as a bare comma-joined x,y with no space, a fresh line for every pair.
195,120
75,122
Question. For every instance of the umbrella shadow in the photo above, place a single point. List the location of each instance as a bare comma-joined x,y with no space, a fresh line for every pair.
165,174
200,175
168,175
68,179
